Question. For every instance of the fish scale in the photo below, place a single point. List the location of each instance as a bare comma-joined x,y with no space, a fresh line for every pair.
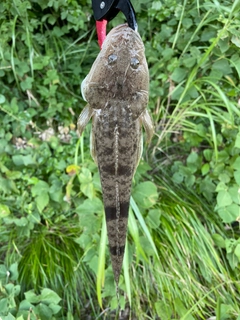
116,90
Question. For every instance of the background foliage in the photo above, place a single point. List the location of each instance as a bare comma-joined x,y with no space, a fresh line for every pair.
183,249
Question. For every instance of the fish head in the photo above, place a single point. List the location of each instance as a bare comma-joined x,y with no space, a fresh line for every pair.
120,71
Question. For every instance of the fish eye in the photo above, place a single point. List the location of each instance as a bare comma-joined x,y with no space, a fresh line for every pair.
112,58
134,63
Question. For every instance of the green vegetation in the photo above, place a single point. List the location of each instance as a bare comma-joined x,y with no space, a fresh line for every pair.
182,258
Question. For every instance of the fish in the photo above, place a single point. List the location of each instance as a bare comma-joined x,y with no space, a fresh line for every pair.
117,92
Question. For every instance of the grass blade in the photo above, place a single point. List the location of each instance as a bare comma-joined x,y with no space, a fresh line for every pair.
101,261
143,225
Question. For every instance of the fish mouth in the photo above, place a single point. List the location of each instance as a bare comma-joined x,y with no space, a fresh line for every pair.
123,32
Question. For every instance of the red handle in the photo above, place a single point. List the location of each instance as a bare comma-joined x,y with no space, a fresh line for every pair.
101,27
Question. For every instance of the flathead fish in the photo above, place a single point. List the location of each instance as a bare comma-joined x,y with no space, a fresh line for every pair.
116,90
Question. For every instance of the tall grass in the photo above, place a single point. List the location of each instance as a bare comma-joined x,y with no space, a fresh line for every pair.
172,267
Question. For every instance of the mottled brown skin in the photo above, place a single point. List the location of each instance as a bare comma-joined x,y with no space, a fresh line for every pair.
116,90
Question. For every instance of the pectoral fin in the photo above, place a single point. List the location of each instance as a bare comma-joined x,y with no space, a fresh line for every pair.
147,124
83,119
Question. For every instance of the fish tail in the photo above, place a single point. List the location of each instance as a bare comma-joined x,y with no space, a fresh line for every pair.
117,219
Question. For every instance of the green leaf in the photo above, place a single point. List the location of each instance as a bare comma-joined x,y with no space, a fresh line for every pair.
42,201
237,176
145,194
218,240
20,160
179,74
164,311
31,297
55,308
39,188
236,41
26,305
230,213
90,206
208,154
86,183
13,271
205,169
182,311
237,141
40,62
48,296
4,211
22,222
9,288
44,312
237,251
224,44
52,77
85,176
3,272
2,99
222,65
13,175
89,220
27,84
3,306
227,311
189,180
153,218
235,194
10,317
177,177
223,198
84,241
236,164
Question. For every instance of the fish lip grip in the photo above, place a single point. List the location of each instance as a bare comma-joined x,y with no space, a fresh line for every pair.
106,10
